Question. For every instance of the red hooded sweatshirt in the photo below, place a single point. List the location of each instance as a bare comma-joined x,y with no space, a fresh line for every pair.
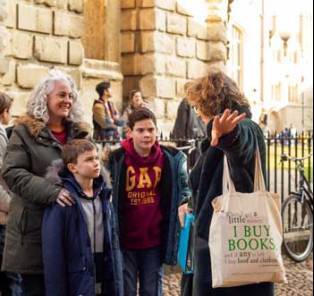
142,215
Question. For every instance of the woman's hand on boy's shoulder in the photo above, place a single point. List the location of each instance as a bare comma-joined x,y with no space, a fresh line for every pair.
64,198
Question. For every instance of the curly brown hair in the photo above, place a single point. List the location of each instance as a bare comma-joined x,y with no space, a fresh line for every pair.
214,93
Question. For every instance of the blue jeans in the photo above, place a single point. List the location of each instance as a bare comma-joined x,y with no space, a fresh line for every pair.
145,265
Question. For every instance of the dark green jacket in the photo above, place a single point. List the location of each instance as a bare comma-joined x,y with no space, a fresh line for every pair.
206,181
30,152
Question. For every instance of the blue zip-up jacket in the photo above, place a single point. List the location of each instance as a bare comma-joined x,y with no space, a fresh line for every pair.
67,251
174,189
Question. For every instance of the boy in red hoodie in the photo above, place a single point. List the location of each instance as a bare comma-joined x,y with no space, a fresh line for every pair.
149,182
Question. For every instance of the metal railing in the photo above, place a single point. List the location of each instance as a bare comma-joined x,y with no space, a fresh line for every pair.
280,177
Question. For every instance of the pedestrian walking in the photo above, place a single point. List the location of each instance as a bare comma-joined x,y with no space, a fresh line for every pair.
53,117
149,182
232,133
80,243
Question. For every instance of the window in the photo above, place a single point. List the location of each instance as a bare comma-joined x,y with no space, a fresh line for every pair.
95,31
295,57
236,56
293,93
276,92
277,56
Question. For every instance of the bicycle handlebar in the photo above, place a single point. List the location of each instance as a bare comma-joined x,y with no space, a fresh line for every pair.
286,157
185,147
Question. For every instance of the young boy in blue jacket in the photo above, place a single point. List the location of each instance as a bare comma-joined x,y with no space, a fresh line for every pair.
80,244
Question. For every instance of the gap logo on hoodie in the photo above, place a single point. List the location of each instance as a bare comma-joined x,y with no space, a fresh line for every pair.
142,215
145,178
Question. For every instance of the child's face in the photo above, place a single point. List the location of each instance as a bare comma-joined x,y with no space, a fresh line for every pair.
144,135
87,165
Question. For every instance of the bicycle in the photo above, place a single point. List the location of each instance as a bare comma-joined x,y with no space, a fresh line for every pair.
297,215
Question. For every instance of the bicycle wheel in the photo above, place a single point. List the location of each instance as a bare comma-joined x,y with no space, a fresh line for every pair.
297,219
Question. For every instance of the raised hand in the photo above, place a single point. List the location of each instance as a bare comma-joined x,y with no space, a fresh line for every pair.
225,124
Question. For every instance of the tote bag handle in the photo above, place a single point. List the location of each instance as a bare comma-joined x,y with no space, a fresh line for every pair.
259,182
227,183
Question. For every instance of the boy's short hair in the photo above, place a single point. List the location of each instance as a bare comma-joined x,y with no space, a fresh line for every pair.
139,115
74,148
102,86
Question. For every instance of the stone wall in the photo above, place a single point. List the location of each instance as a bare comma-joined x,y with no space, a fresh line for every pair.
164,46
154,45
50,33
4,39
43,34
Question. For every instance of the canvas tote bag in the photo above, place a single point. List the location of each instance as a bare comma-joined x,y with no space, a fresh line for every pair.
245,234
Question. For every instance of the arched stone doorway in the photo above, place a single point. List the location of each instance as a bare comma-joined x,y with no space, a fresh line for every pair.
275,123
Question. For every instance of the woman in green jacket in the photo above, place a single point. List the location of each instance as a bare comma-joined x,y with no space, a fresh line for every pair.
53,117
230,133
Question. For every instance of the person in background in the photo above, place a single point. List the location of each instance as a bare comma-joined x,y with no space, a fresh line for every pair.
10,283
5,105
106,117
80,243
230,133
188,126
53,117
149,181
135,101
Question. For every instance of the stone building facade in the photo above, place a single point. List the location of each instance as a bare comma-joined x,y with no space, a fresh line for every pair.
271,58
164,45
153,45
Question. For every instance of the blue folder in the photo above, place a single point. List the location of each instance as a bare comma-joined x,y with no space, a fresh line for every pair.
185,252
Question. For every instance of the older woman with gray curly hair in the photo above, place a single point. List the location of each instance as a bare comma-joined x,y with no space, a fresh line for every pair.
53,117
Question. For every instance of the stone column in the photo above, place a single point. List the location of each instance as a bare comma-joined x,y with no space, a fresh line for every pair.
217,33
164,45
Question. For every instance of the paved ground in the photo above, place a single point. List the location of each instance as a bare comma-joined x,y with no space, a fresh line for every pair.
299,275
